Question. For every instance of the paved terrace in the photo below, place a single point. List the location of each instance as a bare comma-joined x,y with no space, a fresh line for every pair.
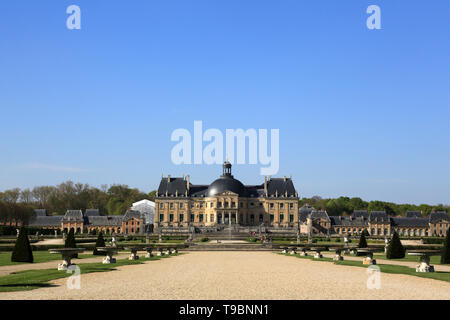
238,275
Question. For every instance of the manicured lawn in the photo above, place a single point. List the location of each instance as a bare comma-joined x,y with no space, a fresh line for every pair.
386,268
433,259
39,256
34,279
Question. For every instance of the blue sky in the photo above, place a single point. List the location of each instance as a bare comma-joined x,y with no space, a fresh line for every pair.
361,112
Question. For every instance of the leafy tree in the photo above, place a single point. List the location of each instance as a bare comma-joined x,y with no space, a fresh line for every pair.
395,248
22,250
445,257
99,244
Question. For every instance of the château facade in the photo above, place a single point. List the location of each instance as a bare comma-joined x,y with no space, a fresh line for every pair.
226,201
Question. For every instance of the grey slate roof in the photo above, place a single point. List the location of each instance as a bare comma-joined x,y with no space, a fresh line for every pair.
280,186
304,212
132,214
73,215
409,222
360,213
275,186
113,221
320,214
438,216
378,216
171,186
347,221
414,214
46,221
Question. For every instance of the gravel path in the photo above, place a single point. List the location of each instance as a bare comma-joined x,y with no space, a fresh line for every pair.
239,275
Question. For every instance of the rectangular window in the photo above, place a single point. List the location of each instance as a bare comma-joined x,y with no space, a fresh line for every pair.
212,218
271,205
161,205
281,217
181,217
271,218
200,217
181,205
281,205
291,218
252,204
192,218
171,205
161,218
233,204
291,206
171,217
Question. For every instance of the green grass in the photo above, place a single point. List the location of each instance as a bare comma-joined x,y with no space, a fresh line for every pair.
386,268
433,259
39,256
34,279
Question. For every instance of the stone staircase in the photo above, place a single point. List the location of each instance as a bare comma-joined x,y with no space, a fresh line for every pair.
232,246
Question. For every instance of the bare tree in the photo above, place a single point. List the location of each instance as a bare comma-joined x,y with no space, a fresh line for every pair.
42,194
12,195
26,196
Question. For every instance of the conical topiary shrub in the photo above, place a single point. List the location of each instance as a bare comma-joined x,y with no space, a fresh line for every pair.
395,248
100,243
365,233
445,257
362,243
70,241
22,250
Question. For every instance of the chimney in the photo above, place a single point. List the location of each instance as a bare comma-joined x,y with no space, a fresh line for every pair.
284,178
187,182
265,186
168,178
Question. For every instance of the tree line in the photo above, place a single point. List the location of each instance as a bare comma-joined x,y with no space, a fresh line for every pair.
19,204
346,206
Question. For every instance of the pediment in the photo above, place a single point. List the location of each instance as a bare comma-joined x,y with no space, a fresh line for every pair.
227,193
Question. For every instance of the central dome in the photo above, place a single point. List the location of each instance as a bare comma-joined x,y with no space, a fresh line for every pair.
226,183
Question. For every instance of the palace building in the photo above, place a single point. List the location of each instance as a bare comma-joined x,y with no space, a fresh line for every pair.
226,201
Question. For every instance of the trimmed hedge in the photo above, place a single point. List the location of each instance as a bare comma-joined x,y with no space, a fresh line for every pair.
22,250
445,257
98,244
395,248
